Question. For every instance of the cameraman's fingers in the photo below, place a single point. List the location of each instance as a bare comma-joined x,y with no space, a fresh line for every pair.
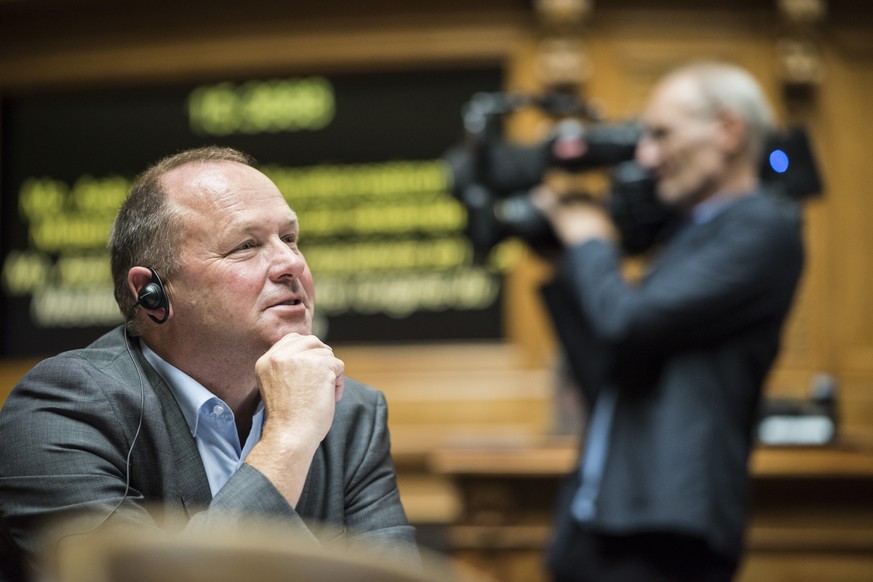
545,199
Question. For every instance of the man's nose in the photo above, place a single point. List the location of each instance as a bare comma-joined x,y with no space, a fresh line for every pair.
647,154
286,260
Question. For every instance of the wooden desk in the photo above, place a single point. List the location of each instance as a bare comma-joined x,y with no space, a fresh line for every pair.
811,516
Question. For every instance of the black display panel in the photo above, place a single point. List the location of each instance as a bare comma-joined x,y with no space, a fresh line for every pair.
357,156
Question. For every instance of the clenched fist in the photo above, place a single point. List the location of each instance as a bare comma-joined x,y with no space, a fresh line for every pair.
300,381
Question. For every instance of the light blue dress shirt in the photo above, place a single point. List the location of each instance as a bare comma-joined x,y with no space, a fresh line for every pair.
211,422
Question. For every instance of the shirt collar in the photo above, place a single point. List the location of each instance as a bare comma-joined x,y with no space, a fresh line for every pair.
709,209
190,394
712,207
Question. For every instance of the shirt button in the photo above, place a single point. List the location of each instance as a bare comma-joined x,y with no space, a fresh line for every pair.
218,410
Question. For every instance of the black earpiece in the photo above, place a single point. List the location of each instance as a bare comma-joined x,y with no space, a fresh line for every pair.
153,295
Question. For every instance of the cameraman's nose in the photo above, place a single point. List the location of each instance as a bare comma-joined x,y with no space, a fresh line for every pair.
648,154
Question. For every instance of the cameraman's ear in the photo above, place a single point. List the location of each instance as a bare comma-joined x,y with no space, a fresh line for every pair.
732,132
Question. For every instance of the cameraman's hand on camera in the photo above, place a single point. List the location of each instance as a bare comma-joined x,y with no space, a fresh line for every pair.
575,219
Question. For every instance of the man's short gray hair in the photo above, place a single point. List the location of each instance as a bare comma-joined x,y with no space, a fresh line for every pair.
727,87
146,231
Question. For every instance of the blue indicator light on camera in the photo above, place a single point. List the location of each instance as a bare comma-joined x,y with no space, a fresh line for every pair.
778,161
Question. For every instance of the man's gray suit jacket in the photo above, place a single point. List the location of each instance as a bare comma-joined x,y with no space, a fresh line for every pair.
687,349
67,428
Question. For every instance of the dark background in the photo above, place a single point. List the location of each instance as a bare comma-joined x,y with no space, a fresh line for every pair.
378,117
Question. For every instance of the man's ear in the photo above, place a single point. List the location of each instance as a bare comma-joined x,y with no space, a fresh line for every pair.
137,278
146,285
732,132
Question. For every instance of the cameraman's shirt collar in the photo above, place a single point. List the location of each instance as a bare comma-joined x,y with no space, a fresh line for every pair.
712,207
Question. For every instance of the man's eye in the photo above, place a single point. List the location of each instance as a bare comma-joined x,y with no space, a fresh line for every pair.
246,246
657,133
290,239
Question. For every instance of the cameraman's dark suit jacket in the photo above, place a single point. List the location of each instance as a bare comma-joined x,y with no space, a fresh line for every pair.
66,430
687,349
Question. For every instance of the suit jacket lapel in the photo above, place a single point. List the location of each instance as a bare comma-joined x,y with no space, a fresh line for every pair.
686,237
689,234
190,475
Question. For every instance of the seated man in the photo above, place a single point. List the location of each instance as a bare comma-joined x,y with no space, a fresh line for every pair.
214,402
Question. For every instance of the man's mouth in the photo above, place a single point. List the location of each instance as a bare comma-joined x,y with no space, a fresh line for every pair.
291,302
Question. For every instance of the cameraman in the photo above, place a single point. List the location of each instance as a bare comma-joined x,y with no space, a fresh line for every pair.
672,366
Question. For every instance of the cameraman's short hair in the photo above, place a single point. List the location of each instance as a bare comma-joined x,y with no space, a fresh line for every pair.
728,87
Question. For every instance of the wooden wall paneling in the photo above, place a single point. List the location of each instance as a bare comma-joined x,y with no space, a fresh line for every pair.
629,51
856,406
502,393
850,117
442,394
789,566
843,125
809,502
526,320
95,42
262,54
10,373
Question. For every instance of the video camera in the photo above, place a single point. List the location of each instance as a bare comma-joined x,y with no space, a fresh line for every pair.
492,177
